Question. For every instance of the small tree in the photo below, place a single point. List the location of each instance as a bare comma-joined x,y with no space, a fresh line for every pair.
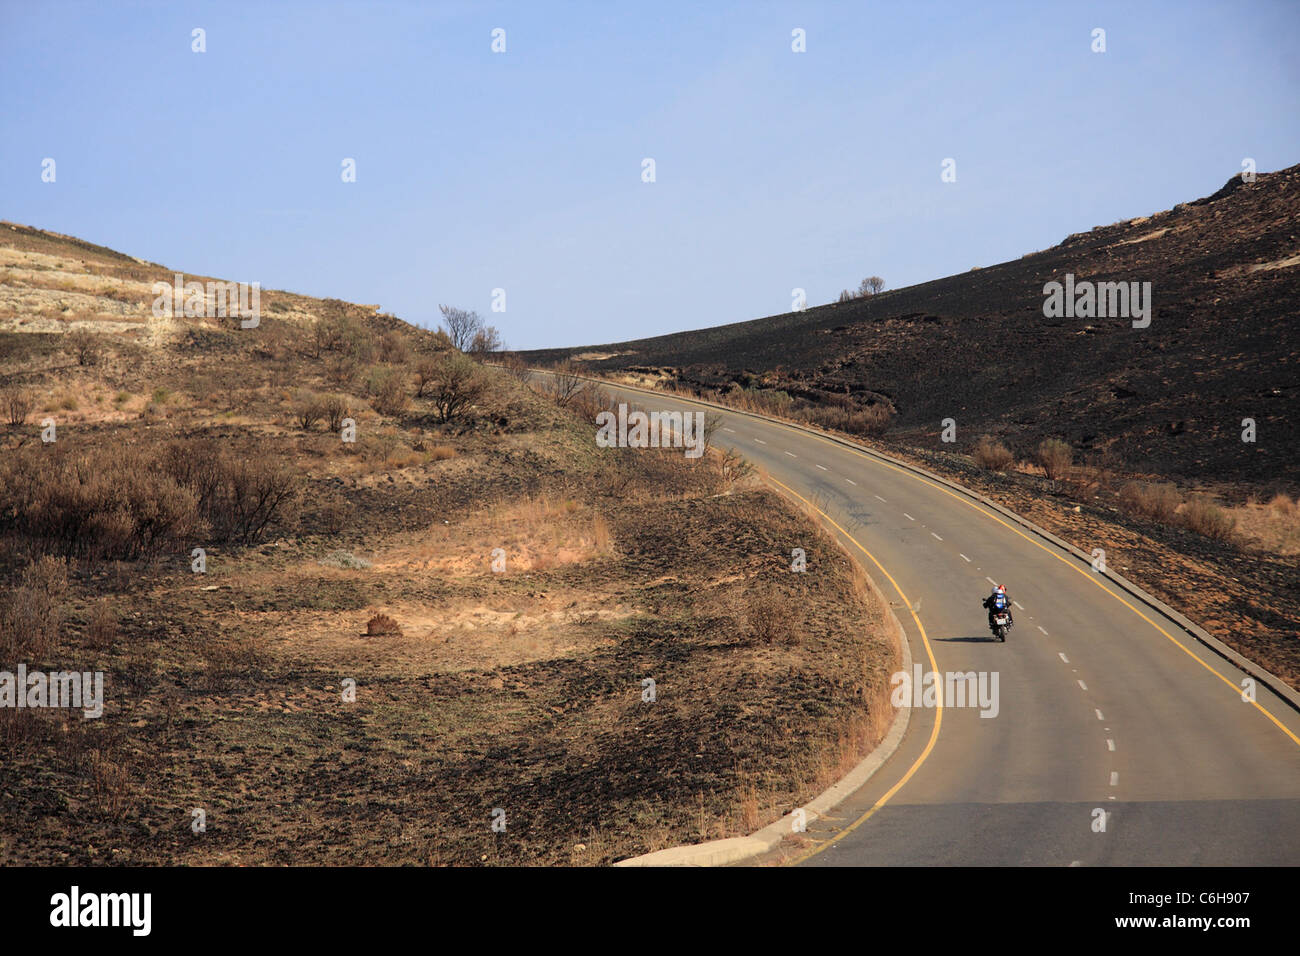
460,326
487,339
83,345
874,283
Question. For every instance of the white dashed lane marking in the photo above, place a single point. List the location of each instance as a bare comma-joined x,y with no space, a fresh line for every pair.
908,516
851,481
1114,778
935,536
760,441
1099,716
1083,685
990,580
1061,654
732,430
792,454
1110,744
1041,628
823,467
964,558
1018,604
878,498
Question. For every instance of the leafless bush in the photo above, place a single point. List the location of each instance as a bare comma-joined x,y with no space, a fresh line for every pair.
17,403
1055,457
83,345
992,454
112,503
590,402
566,382
733,468
310,409
771,619
515,367
335,408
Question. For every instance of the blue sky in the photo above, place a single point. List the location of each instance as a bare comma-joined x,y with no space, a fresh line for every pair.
522,170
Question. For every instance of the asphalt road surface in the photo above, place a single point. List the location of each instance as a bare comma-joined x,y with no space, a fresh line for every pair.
1104,707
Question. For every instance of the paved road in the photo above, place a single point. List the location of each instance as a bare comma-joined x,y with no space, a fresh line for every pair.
1098,710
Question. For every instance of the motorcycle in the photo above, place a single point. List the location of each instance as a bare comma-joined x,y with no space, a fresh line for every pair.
1001,624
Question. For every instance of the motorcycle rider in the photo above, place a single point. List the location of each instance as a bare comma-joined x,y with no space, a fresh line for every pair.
998,600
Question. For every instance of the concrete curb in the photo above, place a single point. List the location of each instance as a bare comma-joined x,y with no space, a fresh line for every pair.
1274,683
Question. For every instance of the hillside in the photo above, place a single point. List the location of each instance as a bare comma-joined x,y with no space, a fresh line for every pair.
279,546
1222,345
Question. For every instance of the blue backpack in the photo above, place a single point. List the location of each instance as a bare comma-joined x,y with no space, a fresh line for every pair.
1000,601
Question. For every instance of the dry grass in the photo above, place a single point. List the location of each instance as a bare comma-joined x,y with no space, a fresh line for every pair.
992,454
1158,501
1204,517
1272,527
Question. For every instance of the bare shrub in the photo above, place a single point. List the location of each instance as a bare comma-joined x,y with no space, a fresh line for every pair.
83,345
771,619
111,503
733,468
515,367
1055,457
566,382
17,403
238,498
992,454
309,410
335,409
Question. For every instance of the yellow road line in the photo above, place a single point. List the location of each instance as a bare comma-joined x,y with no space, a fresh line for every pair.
1038,544
934,667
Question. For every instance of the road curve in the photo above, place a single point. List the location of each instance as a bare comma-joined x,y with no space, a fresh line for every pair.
1105,709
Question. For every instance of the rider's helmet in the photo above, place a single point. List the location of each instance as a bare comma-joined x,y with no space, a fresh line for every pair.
1002,589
